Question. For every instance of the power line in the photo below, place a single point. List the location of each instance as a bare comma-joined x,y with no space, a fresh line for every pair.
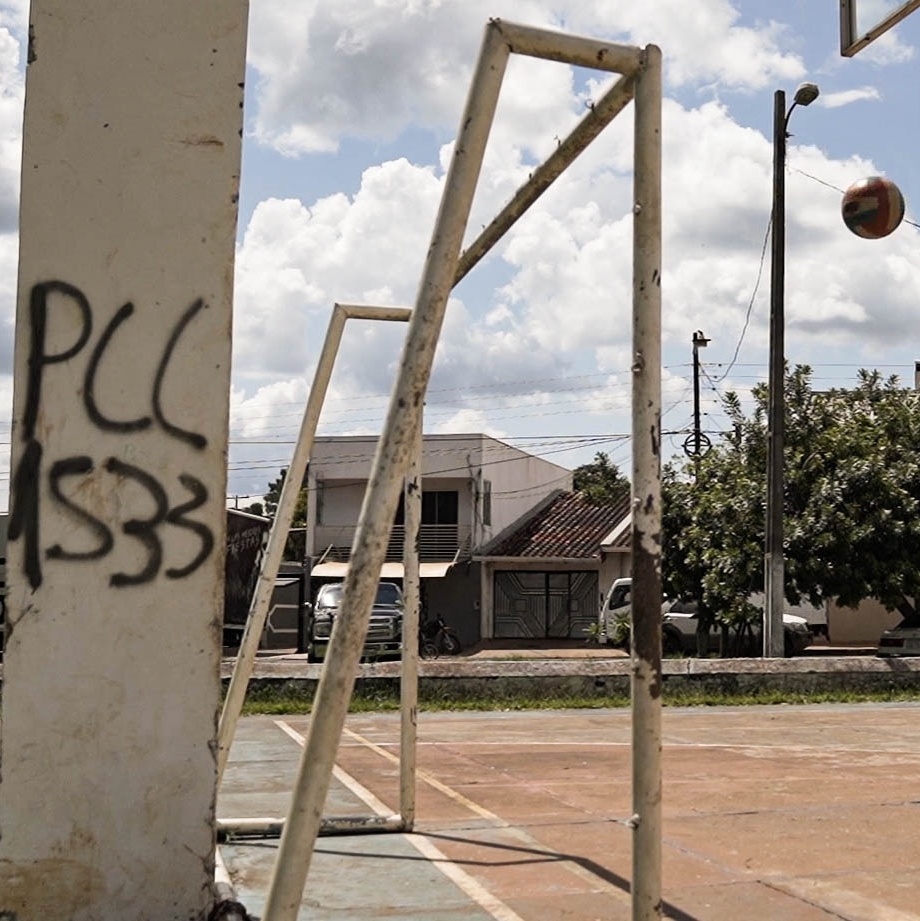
750,307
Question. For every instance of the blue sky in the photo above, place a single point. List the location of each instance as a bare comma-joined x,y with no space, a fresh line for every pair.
351,109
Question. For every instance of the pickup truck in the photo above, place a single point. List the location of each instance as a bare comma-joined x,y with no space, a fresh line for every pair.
679,621
384,631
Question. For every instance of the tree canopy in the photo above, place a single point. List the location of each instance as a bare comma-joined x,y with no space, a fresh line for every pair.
295,546
601,480
851,501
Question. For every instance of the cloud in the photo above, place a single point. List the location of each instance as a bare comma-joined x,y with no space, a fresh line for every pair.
539,335
11,103
350,69
848,97
296,261
704,41
555,301
353,69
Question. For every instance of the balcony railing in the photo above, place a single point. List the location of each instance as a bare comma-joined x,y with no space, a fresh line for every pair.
437,543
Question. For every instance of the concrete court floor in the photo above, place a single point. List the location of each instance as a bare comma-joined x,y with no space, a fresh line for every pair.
780,813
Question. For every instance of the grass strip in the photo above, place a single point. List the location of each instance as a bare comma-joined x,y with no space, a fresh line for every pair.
279,700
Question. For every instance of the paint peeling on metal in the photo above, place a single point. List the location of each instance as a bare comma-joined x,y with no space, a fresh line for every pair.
643,669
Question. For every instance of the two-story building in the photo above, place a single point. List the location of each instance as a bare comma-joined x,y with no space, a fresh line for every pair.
488,563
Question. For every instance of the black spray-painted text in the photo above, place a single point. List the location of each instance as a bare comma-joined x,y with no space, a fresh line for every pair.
63,474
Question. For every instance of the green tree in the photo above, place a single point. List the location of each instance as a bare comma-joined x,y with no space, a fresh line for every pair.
712,529
601,480
851,501
295,546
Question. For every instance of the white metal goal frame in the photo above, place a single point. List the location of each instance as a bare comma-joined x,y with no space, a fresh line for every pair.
268,570
270,561
398,447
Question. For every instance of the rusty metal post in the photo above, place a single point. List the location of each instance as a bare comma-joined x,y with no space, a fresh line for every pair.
599,116
646,513
390,464
284,514
408,683
580,50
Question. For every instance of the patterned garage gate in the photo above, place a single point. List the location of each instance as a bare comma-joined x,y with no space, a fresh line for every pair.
544,605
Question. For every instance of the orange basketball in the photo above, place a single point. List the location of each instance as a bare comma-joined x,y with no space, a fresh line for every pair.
873,207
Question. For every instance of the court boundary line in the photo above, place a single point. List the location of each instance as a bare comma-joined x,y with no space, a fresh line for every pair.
467,884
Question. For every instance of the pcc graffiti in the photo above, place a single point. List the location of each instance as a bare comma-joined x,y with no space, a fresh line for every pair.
63,474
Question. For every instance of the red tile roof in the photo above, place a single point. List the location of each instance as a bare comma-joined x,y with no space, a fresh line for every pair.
567,527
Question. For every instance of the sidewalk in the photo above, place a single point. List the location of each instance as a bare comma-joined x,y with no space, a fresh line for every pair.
518,648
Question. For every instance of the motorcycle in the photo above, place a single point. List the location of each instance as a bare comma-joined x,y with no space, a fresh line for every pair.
439,633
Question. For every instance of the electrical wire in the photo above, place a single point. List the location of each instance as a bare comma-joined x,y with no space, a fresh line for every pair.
750,307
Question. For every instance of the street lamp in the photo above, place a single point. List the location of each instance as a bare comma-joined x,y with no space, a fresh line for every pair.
697,444
774,574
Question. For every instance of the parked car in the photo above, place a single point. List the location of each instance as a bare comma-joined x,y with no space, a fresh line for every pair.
902,640
384,631
679,633
679,624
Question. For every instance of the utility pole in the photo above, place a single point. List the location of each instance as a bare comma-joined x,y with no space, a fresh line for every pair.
697,444
774,563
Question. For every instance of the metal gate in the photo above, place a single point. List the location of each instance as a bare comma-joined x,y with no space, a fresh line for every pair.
544,605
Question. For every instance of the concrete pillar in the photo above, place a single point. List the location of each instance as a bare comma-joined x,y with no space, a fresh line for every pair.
131,156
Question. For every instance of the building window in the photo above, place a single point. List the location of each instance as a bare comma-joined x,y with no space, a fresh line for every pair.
440,507
437,508
487,502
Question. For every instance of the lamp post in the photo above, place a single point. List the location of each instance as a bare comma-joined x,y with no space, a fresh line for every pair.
699,342
774,568
697,444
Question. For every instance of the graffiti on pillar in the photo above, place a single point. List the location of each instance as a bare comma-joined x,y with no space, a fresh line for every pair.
97,539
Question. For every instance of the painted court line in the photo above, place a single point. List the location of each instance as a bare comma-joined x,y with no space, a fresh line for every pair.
829,896
498,822
460,878
824,894
432,782
674,742
358,789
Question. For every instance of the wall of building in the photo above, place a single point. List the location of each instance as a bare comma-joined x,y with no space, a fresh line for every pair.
519,481
613,566
456,599
340,467
860,626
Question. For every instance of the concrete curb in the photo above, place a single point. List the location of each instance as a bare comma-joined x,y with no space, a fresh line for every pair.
459,678
462,678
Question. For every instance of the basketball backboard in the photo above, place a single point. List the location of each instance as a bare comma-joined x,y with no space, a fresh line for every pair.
863,21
